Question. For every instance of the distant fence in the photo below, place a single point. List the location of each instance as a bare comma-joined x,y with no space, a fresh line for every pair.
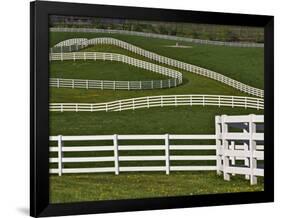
168,83
250,134
162,101
160,36
112,84
158,58
224,151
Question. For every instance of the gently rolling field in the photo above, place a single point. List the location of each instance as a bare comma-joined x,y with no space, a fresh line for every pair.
100,70
243,64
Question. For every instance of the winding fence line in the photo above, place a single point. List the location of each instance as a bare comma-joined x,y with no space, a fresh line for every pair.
79,43
162,101
159,36
111,84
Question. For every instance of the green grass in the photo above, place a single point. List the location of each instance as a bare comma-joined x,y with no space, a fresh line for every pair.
243,64
180,120
100,70
192,84
95,187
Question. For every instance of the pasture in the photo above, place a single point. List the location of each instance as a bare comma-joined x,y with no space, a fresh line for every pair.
242,64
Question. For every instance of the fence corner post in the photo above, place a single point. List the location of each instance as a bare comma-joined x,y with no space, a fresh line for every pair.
116,157
167,153
224,130
252,143
218,144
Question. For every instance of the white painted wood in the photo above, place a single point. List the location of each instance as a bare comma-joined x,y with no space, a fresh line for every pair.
224,130
247,152
218,143
167,154
116,157
60,155
252,145
152,101
142,169
193,168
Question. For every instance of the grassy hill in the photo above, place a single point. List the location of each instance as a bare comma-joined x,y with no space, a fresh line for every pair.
243,64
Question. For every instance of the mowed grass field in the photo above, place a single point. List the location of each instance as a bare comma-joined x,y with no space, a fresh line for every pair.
180,120
95,187
243,64
233,62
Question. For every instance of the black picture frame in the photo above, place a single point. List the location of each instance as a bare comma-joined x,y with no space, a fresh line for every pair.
39,118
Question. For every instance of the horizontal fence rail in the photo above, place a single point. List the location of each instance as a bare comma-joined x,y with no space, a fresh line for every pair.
160,36
162,101
112,84
158,58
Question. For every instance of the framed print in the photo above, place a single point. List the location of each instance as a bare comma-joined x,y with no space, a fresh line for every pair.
142,109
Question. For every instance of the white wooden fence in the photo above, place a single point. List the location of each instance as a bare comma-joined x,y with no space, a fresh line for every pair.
228,148
164,60
161,36
112,84
228,152
162,101
118,57
166,146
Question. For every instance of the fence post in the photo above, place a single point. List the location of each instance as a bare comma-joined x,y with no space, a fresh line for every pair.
246,148
167,154
224,129
73,84
218,143
87,84
58,82
116,157
252,144
133,104
203,100
60,155
232,159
